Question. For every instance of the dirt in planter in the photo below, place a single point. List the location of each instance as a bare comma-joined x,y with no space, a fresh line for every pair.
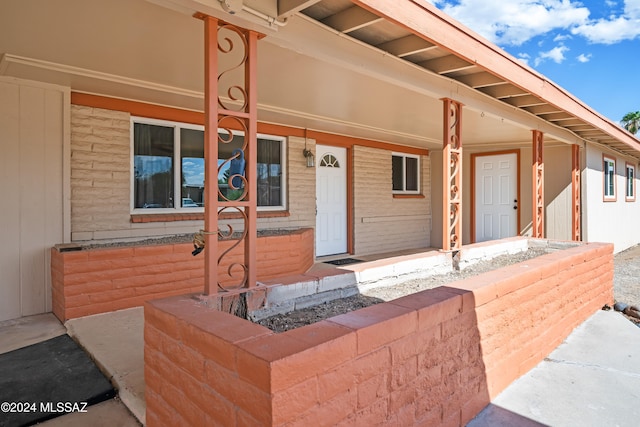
307,316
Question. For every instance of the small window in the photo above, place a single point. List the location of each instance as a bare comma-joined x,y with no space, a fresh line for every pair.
405,171
329,161
630,188
609,166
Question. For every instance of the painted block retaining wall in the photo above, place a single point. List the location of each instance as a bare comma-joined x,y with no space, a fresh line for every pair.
432,358
93,281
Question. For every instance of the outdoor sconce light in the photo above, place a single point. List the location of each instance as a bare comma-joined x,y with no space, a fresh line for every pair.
308,154
310,158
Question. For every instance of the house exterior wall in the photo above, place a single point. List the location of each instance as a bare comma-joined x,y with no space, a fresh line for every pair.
608,221
101,191
467,213
557,192
101,183
384,223
33,140
100,173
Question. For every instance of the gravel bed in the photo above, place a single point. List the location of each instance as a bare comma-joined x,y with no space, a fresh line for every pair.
298,318
626,279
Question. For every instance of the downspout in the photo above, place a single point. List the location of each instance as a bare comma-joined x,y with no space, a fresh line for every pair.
270,19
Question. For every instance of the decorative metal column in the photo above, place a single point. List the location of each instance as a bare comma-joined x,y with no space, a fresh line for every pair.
452,176
235,110
538,184
575,192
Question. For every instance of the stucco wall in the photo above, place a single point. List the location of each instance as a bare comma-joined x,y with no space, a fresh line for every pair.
383,223
602,221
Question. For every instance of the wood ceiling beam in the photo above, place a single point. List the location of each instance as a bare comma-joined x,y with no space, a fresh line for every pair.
405,46
524,101
503,91
351,19
446,64
543,109
482,79
573,122
556,117
287,8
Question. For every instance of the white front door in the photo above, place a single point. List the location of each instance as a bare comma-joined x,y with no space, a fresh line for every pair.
331,200
496,205
31,186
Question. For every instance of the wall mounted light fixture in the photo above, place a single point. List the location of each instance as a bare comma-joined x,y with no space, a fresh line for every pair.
311,161
308,154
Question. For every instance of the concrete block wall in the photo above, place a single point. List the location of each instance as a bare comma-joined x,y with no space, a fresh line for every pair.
106,279
100,171
383,223
432,358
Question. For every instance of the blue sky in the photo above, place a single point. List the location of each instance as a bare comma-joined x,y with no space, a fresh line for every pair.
591,48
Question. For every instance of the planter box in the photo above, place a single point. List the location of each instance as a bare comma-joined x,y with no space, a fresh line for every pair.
432,358
92,281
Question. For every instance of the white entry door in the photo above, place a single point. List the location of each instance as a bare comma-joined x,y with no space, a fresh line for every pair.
496,203
31,187
331,200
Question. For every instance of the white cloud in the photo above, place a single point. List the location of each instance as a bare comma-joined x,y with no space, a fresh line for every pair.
516,21
524,57
583,58
513,22
556,55
561,37
614,29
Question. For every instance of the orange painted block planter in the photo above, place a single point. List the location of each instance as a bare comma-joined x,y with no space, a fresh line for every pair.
92,281
436,357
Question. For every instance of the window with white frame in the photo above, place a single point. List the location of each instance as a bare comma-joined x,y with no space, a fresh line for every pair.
609,165
168,160
405,173
630,188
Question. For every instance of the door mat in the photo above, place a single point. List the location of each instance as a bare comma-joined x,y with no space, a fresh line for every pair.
48,379
344,261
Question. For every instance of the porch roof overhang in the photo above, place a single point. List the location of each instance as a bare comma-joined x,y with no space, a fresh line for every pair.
418,32
371,69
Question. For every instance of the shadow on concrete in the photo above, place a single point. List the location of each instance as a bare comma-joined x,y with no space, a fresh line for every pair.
496,416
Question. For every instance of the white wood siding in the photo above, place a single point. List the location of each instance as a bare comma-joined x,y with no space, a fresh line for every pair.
557,192
32,134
